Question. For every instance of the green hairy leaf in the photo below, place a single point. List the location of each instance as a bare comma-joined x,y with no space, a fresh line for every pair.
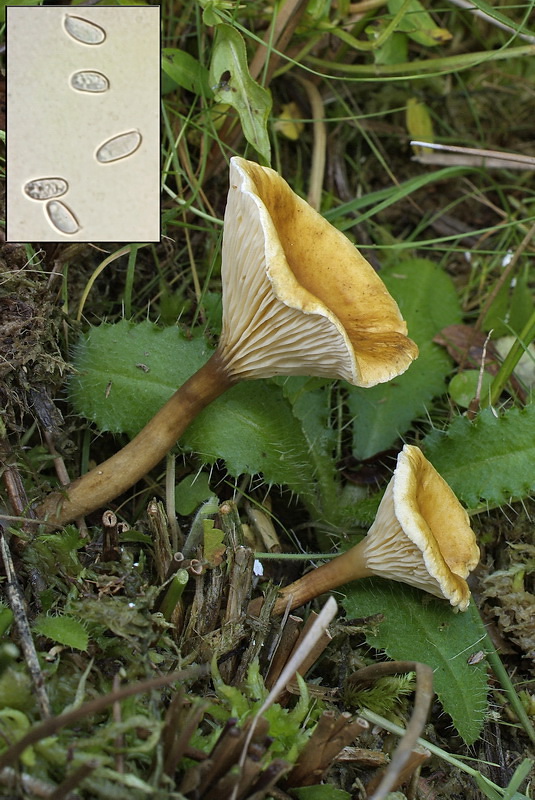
310,403
63,629
255,431
126,372
232,84
428,302
489,460
418,627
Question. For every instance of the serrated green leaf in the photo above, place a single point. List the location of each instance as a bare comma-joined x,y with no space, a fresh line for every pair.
428,301
232,84
487,460
418,627
126,372
64,630
255,432
310,402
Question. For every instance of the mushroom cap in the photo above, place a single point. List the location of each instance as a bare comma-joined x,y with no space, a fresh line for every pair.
298,297
421,534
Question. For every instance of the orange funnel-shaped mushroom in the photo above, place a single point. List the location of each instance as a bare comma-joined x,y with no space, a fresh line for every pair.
298,299
421,536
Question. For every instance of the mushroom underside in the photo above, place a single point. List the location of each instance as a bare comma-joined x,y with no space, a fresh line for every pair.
390,553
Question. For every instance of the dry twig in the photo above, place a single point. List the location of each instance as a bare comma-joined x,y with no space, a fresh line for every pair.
422,704
17,605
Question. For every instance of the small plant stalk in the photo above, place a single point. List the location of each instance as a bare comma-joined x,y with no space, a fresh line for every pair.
114,476
501,673
514,355
173,594
348,566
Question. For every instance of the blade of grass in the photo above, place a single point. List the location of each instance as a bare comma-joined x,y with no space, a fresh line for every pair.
129,283
387,197
101,267
501,673
520,774
419,69
492,790
490,14
514,355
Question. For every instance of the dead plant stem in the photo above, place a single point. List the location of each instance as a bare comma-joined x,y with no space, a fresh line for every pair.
16,602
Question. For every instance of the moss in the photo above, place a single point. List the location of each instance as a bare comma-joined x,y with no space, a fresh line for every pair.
30,359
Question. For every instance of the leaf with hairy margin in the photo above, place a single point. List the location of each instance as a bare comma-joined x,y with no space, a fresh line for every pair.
63,629
419,627
489,460
125,372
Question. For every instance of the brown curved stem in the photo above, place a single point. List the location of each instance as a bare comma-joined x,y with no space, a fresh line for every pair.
114,476
348,566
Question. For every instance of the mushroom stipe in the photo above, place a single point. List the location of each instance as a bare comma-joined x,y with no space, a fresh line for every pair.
298,299
108,480
421,536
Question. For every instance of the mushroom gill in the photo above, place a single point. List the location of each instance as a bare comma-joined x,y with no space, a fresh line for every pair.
298,299
314,305
421,536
